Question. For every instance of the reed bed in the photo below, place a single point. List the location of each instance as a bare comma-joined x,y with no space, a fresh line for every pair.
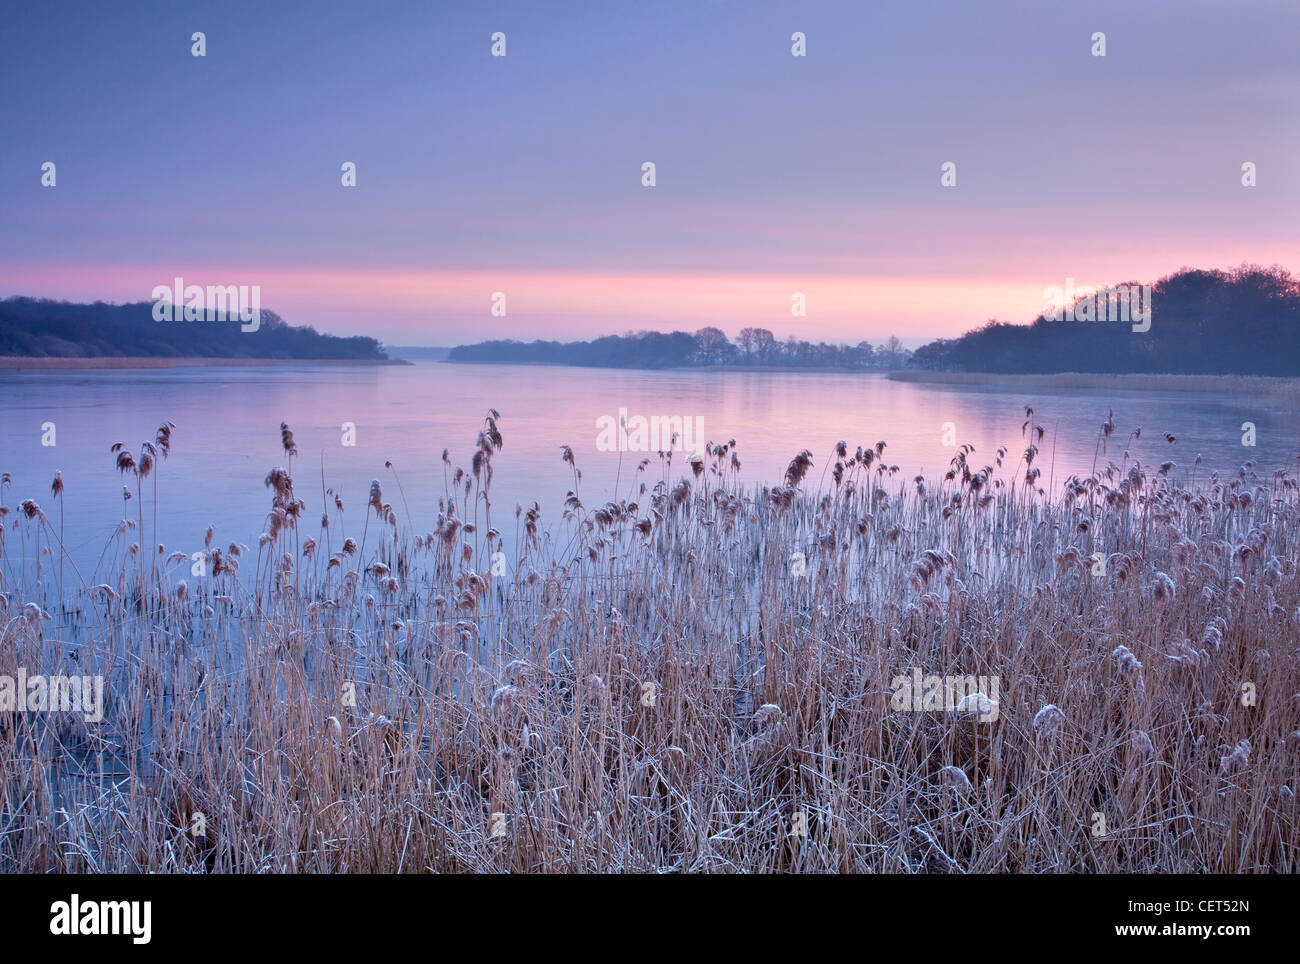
695,676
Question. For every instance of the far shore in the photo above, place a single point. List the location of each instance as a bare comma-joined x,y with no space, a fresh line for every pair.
18,363
707,369
1244,384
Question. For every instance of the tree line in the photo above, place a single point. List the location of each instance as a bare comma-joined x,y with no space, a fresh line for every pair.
41,328
707,347
1243,321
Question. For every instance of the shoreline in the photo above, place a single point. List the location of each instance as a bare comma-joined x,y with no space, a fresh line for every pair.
19,363
1269,385
708,369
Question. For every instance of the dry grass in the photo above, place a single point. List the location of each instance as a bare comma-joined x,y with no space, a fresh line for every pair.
526,696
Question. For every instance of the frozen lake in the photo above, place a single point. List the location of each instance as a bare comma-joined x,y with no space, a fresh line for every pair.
227,436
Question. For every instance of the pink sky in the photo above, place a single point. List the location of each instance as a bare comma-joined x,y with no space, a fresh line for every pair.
776,173
407,306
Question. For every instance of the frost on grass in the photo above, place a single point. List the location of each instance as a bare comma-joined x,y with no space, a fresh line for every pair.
349,694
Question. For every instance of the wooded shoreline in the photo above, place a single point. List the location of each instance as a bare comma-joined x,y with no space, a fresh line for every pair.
19,363
1264,385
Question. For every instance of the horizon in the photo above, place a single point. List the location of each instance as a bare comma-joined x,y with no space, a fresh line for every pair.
522,173
1058,300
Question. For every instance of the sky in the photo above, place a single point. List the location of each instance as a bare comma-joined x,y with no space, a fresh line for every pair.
522,173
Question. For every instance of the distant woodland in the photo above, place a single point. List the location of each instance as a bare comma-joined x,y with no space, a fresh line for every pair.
708,347
1244,321
43,329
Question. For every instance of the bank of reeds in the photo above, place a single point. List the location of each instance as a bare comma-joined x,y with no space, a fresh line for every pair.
683,678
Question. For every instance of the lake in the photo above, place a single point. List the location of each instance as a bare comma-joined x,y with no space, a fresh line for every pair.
227,436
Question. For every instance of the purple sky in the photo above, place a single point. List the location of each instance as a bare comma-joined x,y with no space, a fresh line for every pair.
776,174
